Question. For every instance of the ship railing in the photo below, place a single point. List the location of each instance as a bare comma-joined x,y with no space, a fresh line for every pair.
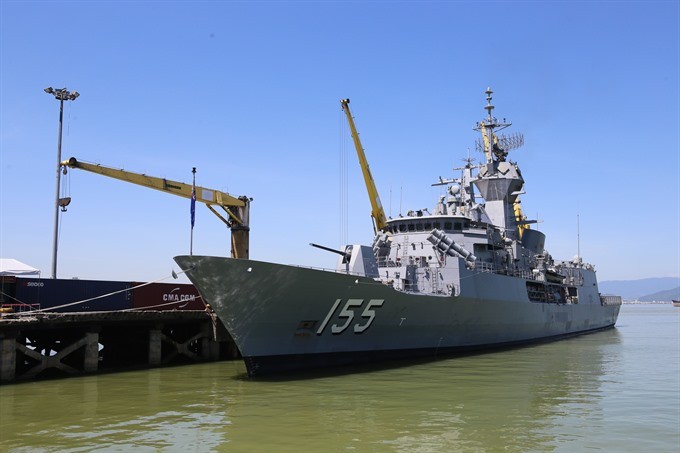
415,288
573,274
388,262
610,300
21,307
490,268
325,269
485,267
522,273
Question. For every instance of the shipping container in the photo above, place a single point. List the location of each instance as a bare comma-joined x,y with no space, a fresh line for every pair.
166,296
8,293
50,293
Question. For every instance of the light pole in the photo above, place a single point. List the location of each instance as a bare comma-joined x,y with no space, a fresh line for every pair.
60,94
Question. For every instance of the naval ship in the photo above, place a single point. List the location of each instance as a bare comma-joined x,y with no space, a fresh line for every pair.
469,275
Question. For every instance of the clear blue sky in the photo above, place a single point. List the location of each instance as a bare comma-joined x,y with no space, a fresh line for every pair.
248,93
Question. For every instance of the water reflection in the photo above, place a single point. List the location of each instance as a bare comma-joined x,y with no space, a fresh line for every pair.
517,400
144,411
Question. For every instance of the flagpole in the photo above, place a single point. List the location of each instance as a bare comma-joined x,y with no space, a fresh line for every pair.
193,211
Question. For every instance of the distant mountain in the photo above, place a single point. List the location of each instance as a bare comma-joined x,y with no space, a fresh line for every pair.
668,295
636,289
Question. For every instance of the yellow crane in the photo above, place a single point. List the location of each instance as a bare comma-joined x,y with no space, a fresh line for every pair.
237,209
377,212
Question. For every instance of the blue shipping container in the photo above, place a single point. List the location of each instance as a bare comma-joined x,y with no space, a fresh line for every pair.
55,293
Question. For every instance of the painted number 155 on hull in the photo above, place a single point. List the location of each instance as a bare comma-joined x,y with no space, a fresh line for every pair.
347,313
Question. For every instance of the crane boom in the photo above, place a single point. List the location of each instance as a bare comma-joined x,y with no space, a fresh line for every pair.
237,209
377,212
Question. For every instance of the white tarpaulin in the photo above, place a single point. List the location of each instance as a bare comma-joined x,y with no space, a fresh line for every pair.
9,266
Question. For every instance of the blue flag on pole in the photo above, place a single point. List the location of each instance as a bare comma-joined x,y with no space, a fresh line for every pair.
193,205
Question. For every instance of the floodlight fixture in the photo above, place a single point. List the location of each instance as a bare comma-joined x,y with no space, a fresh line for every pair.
60,94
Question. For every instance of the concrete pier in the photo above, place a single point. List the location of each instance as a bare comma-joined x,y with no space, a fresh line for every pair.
47,345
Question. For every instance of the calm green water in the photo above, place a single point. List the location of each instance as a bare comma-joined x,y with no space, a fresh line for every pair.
613,391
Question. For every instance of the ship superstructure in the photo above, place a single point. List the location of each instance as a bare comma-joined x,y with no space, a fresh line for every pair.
430,252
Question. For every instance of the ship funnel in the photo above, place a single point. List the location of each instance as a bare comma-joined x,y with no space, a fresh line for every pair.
533,240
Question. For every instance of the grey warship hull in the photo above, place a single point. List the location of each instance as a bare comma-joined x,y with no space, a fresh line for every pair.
467,274
286,318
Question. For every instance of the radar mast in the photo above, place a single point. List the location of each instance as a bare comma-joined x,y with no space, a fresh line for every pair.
495,147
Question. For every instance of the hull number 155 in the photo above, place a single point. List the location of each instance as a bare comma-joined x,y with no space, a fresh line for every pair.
347,313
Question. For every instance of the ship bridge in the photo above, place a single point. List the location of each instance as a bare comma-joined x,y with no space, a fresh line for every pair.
427,223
